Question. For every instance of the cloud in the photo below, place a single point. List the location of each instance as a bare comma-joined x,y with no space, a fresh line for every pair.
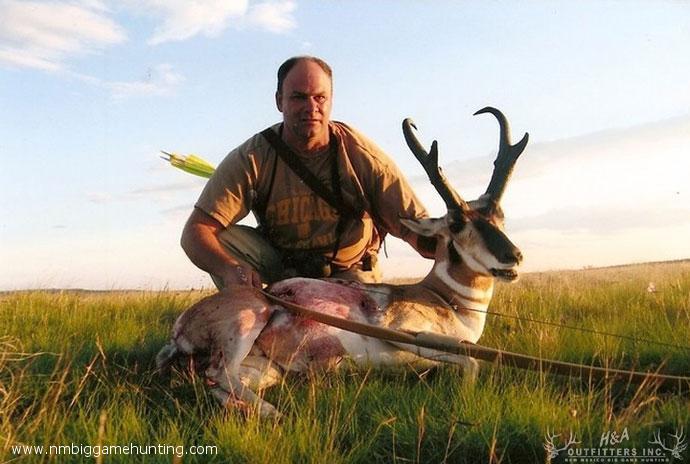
184,19
602,221
160,80
42,35
655,143
161,192
192,183
176,210
602,183
99,198
45,35
275,17
615,196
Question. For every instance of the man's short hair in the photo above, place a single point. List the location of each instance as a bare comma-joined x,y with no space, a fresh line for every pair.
291,62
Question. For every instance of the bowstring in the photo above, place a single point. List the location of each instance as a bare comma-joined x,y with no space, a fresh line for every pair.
558,325
583,329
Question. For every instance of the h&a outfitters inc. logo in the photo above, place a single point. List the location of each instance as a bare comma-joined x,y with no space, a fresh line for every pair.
614,447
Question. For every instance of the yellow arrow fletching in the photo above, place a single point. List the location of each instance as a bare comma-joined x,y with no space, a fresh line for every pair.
190,163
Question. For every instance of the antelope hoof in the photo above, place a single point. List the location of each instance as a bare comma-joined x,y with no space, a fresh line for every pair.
264,409
268,411
470,372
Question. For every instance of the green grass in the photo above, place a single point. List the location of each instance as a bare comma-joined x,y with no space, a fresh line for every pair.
77,368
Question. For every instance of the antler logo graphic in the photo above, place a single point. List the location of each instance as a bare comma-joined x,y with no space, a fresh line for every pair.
552,449
678,447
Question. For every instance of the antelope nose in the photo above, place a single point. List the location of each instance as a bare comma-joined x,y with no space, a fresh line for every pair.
512,256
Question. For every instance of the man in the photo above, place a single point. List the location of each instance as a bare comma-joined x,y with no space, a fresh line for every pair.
332,225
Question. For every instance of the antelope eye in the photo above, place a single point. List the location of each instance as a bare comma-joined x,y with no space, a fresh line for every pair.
457,225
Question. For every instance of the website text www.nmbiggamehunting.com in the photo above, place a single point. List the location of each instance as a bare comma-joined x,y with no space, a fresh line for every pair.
131,449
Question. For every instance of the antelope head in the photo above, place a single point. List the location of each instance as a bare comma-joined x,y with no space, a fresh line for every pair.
471,232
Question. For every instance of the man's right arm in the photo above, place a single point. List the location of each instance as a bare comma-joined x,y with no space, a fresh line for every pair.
201,244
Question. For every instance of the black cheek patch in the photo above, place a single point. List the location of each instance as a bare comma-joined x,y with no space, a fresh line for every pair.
427,244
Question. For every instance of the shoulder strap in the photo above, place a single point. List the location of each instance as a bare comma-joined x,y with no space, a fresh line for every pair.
262,204
334,198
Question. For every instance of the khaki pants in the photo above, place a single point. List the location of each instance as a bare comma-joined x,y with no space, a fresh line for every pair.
246,244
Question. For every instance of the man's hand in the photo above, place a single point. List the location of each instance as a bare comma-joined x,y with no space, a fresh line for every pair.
241,274
200,242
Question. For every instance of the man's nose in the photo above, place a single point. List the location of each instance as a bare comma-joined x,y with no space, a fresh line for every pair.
312,104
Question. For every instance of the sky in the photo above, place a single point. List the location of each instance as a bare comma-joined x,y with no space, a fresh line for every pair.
91,90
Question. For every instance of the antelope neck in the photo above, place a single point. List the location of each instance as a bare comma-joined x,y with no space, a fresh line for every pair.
444,301
458,285
470,315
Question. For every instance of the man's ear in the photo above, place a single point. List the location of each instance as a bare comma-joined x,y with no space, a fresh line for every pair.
279,103
427,227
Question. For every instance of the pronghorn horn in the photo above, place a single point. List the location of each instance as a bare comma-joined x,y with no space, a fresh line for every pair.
429,162
506,158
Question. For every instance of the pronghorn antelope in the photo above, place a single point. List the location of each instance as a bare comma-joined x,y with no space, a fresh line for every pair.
246,342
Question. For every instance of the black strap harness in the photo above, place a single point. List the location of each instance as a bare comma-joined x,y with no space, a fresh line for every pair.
334,197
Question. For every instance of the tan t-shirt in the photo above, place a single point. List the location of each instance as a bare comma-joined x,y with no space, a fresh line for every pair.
295,217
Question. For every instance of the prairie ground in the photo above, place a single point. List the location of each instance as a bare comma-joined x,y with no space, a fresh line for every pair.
77,373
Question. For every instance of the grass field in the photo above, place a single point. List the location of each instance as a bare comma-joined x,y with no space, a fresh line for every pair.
76,370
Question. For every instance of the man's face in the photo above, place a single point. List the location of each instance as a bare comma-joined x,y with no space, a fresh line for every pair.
305,101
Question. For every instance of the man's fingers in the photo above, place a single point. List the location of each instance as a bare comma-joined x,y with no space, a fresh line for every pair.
247,275
241,274
256,279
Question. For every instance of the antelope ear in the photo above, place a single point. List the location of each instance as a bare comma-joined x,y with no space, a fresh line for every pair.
428,227
481,203
484,205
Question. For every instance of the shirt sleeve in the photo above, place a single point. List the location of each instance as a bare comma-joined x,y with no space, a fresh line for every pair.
393,198
228,194
385,187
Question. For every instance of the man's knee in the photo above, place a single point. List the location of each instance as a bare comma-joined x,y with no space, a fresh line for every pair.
366,271
247,245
